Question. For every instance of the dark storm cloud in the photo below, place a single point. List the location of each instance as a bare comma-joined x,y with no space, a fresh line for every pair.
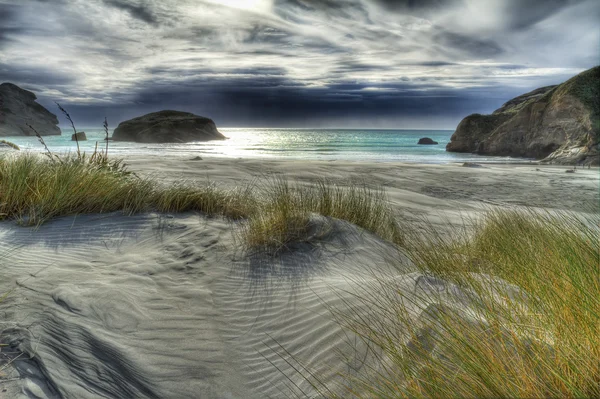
137,11
293,62
346,66
523,14
417,6
8,27
471,46
434,63
329,6
517,14
30,75
276,102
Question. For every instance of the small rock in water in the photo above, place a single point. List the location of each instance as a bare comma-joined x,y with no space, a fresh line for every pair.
472,165
79,136
570,171
198,158
427,141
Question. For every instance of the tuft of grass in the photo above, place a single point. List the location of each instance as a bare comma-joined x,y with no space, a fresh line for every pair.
284,209
527,324
12,145
237,203
34,190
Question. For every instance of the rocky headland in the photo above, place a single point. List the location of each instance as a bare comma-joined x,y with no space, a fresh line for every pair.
167,127
557,124
18,108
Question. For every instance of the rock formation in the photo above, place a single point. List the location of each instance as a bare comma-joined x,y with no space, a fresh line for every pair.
558,124
19,108
427,141
167,127
79,136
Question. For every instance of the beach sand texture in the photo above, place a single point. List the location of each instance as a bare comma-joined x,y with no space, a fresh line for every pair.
161,306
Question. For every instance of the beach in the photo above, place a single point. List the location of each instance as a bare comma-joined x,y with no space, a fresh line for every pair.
416,188
254,199
170,305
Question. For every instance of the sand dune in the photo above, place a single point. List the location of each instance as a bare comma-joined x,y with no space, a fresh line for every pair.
169,306
153,307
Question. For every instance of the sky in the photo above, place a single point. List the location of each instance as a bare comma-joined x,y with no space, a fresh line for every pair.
294,63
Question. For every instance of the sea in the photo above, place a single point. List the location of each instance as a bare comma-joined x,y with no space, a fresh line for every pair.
311,144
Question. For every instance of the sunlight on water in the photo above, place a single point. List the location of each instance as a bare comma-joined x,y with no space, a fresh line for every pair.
315,144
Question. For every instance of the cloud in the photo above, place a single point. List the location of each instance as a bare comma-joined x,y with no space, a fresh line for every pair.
472,47
8,28
36,75
300,61
522,15
141,12
418,7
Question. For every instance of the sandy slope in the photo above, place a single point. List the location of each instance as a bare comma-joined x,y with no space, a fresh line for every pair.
164,307
413,187
167,306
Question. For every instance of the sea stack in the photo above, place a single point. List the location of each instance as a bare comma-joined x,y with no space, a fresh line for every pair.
18,108
167,127
427,141
79,136
558,124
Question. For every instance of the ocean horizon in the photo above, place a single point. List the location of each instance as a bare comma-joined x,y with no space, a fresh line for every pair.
369,145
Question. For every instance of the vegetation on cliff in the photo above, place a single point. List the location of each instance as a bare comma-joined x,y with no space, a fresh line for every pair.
558,123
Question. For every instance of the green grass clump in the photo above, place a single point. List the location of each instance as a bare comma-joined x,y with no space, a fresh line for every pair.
283,213
12,145
34,189
235,204
534,335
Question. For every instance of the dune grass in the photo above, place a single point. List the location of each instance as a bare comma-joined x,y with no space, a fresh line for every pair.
34,190
12,145
532,283
284,210
527,327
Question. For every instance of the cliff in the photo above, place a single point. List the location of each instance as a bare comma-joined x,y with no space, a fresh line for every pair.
19,108
558,124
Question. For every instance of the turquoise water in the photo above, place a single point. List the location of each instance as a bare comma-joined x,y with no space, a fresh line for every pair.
317,144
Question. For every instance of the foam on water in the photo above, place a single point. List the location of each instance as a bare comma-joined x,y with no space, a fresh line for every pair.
316,144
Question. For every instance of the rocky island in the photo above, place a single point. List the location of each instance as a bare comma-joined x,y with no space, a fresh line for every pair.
18,107
558,124
167,127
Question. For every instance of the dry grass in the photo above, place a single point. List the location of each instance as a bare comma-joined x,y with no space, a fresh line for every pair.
282,215
34,190
12,145
530,328
532,279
